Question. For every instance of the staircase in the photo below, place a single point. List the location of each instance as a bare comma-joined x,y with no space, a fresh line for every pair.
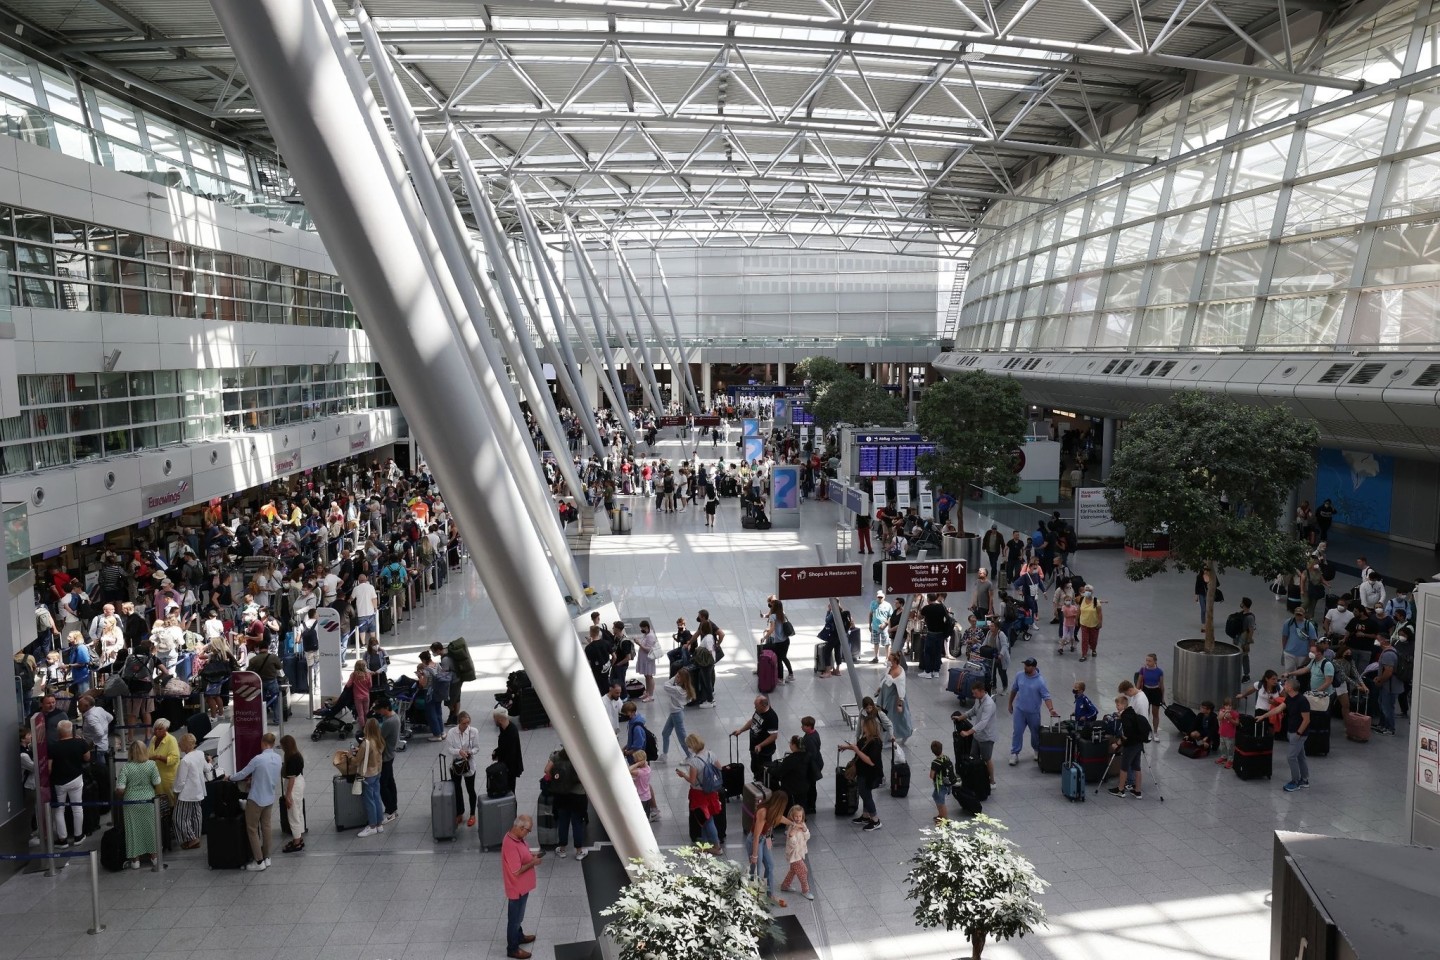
957,295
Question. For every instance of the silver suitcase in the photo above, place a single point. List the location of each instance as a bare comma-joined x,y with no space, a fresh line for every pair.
349,808
547,831
442,802
497,815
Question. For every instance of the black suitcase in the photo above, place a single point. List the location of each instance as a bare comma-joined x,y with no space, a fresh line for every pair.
732,775
226,846
1254,750
387,619
1052,749
1317,735
223,799
1094,758
877,571
899,775
1181,717
971,774
297,672
847,794
112,848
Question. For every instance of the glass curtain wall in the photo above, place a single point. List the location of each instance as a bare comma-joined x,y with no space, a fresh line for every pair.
1279,216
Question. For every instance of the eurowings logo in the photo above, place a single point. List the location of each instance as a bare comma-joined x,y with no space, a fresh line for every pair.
246,692
170,498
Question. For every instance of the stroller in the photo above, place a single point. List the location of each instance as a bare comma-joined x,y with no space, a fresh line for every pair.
329,720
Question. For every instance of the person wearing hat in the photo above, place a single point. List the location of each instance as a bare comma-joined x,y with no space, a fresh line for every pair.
880,611
1027,695
1296,636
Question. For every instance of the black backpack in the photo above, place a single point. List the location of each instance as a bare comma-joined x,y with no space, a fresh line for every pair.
498,782
1235,625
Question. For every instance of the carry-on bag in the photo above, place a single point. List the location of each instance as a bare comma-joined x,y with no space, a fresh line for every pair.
226,845
732,775
768,671
497,815
442,801
899,772
847,792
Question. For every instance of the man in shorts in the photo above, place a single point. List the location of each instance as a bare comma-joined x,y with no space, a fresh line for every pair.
367,608
1134,731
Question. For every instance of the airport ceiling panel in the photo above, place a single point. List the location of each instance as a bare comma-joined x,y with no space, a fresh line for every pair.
852,124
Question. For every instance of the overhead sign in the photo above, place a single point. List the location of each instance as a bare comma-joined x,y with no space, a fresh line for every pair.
167,496
854,500
930,576
887,438
818,582
359,441
836,492
286,463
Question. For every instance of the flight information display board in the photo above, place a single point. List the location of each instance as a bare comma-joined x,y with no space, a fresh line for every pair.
799,416
869,461
890,460
889,456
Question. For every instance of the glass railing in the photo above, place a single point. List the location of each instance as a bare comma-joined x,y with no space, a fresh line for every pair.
1009,514
25,121
17,541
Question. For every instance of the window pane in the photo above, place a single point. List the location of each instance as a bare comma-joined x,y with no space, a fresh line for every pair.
1300,321
1407,316
1223,324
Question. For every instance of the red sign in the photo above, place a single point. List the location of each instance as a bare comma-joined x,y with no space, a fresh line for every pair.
247,692
930,576
818,583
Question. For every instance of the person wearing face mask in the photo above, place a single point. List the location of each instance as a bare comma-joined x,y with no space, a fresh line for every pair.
1028,694
1092,618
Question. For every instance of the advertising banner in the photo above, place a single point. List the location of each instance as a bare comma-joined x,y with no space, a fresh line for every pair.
248,699
754,449
1092,516
329,666
785,495
287,463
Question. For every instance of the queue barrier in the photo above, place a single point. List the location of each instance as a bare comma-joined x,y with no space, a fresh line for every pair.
51,856
159,862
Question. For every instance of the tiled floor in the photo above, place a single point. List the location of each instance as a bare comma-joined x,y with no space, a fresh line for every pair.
1184,877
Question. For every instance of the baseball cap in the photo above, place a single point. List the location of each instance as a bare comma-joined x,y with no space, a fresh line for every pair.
1031,662
880,594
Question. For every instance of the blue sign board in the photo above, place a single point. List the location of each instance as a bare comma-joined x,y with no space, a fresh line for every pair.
887,438
754,449
782,411
854,500
749,427
785,487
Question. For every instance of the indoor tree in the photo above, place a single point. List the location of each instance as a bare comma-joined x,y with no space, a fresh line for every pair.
838,395
707,910
976,421
968,877
1216,475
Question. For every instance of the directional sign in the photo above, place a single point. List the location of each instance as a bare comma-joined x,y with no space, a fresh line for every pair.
930,576
818,583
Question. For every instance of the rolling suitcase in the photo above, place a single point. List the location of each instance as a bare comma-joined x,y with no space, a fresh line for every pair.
899,772
226,846
732,775
1317,735
112,848
971,774
297,671
349,807
1094,759
1181,717
1254,750
877,571
1053,743
769,671
754,797
952,680
1357,724
822,662
1072,775
847,794
442,802
496,815
547,830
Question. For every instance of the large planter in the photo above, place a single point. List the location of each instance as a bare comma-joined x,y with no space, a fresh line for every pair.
964,546
1199,676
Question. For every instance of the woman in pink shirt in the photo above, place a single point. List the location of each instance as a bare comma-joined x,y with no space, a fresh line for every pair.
517,864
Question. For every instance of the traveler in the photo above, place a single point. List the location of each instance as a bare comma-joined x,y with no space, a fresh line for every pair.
462,746
880,611
190,793
621,655
263,771
778,631
1138,700
987,598
268,667
942,778
707,809
367,607
68,756
292,792
507,744
890,696
95,726
568,800
764,727
981,716
165,754
1028,693
430,689
1014,556
810,740
1085,710
993,542
78,658
646,644
1134,731
1152,684
678,692
862,534
1092,618
867,770
639,768
1296,710
1296,636
1387,686
1240,628
390,732
137,780
763,820
939,625
517,868
797,846
371,753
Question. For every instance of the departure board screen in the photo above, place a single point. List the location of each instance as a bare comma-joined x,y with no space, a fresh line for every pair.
888,458
869,461
905,461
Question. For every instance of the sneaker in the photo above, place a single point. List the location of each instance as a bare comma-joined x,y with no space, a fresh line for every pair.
709,705
873,825
368,832
1388,733
1014,759
654,816
1117,791
663,758
874,659
809,896
1083,658
560,852
266,861
1304,784
1137,795
391,817
581,855
249,866
860,820
1291,787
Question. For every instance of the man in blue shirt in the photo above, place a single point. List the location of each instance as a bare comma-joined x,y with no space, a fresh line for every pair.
1028,694
79,657
1085,709
1297,635
263,772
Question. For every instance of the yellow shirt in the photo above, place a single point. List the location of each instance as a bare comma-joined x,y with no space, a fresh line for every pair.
1089,612
166,755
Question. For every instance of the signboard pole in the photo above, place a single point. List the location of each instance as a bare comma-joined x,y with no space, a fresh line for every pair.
844,646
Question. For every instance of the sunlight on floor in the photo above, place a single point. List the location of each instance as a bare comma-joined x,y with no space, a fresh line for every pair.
1227,927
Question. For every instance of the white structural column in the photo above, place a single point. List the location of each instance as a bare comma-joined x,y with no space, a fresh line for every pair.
707,380
646,366
589,275
675,328
611,370
287,50
443,216
678,390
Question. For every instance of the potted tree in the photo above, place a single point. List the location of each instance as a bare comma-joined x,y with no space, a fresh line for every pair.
977,422
710,910
968,877
1216,476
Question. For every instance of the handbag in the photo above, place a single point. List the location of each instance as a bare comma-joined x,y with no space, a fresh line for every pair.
1219,595
358,786
788,627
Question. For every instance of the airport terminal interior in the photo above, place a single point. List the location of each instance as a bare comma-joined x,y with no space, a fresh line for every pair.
518,312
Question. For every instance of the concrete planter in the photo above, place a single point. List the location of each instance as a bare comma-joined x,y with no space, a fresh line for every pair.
962,547
1200,676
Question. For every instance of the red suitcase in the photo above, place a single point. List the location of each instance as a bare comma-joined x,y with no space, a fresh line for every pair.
769,671
1357,722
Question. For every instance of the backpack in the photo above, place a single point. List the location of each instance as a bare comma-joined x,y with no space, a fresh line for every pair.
1404,661
459,653
1145,728
1235,625
137,669
710,779
563,778
309,640
498,781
